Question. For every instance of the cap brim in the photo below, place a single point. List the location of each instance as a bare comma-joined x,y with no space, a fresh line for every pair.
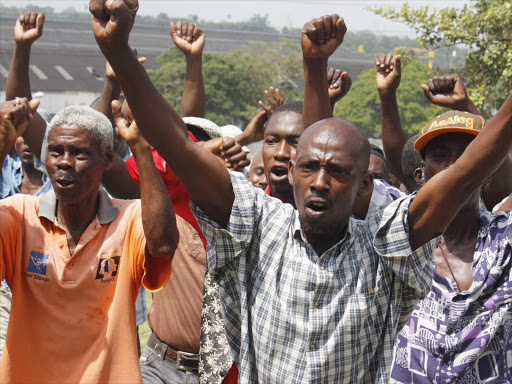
426,138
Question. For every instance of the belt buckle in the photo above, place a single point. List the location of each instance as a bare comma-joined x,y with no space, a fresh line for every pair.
179,355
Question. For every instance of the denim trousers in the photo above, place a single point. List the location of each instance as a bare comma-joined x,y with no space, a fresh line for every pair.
156,371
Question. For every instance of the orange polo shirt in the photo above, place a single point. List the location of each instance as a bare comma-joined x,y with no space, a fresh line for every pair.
73,317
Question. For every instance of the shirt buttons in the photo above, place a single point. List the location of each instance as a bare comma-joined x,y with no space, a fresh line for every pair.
61,244
317,304
313,346
70,265
322,268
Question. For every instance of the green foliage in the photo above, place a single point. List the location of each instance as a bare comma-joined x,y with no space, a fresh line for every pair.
362,107
485,26
234,82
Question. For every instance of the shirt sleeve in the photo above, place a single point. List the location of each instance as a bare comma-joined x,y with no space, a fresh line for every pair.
152,271
391,242
251,207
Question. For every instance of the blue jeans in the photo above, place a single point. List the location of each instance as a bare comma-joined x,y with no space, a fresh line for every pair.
156,371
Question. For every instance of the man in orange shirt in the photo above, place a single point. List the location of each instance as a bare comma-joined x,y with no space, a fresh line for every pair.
75,259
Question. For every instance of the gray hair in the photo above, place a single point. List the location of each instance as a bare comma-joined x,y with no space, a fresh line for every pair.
87,119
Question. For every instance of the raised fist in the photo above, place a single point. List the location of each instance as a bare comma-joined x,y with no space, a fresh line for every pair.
447,91
389,73
112,21
322,36
28,28
339,84
188,37
15,115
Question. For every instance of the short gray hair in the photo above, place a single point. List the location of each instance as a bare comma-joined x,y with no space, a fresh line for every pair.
89,120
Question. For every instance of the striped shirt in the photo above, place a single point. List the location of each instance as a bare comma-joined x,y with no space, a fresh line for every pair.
292,316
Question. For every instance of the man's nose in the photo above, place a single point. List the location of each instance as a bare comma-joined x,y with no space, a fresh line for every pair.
283,150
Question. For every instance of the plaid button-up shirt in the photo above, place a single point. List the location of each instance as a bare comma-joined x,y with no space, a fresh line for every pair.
292,316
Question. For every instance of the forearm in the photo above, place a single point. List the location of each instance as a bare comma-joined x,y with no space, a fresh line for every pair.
111,91
193,99
317,105
158,218
393,136
18,81
441,197
164,129
118,182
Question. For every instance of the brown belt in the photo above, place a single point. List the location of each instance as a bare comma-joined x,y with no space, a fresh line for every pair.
185,361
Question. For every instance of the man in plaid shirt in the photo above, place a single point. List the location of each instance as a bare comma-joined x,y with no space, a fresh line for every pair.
309,295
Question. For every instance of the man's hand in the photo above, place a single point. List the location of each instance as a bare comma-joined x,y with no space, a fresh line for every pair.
447,91
273,102
339,84
389,73
254,131
109,72
28,28
129,131
112,21
188,37
228,151
322,36
15,116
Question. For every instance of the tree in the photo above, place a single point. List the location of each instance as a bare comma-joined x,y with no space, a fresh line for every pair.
361,106
485,26
234,82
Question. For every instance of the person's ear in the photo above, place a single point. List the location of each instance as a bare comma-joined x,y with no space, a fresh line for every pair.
291,167
366,186
108,158
418,176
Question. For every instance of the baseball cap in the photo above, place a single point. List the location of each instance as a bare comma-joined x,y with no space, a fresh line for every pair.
452,121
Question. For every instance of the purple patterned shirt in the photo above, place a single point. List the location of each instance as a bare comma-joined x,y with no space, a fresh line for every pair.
464,337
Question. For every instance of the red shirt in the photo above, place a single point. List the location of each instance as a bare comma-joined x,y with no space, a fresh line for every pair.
177,192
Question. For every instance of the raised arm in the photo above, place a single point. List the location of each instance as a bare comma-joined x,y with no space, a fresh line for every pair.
255,130
28,28
158,218
339,84
15,116
439,200
206,179
320,38
450,92
389,73
190,40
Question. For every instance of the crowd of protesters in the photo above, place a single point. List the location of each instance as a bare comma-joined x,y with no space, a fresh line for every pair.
323,260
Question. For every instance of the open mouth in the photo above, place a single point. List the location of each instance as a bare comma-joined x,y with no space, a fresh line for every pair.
64,183
279,171
317,206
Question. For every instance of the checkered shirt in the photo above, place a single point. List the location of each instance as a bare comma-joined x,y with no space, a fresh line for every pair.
383,194
294,317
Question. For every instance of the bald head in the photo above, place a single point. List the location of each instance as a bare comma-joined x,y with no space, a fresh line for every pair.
339,133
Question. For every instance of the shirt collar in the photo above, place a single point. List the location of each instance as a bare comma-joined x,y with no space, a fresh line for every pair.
106,211
297,230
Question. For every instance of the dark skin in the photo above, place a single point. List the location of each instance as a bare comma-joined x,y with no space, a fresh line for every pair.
439,200
329,172
75,164
459,238
190,39
31,181
256,174
281,137
14,120
429,213
379,168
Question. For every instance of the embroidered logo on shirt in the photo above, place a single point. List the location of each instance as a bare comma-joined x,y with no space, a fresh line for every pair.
107,268
37,263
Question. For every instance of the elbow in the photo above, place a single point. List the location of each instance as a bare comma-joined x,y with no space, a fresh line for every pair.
166,247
